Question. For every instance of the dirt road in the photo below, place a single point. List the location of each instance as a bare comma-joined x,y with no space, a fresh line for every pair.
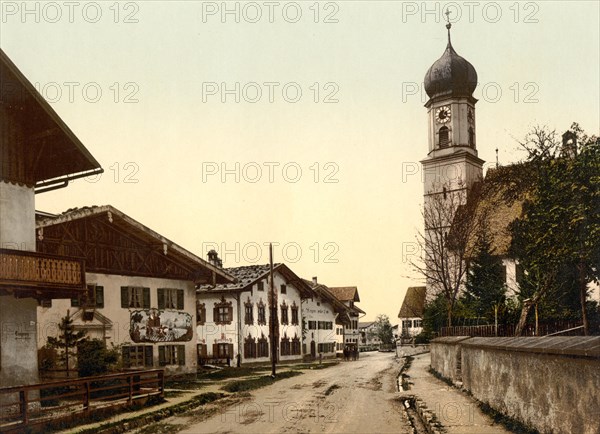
352,397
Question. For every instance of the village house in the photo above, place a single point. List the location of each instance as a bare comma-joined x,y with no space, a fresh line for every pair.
141,287
411,312
324,317
348,295
38,153
368,338
232,319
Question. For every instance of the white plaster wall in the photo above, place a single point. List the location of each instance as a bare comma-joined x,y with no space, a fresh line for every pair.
17,217
18,349
118,334
317,309
211,333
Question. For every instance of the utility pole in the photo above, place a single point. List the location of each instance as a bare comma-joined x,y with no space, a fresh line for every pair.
273,316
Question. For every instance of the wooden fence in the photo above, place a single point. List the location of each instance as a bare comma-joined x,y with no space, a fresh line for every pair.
564,328
39,404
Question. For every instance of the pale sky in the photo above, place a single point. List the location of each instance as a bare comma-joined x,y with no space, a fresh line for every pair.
164,150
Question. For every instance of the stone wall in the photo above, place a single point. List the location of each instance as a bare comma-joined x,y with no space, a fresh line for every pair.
549,383
446,357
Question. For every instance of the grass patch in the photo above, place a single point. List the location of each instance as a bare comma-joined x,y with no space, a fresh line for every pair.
173,393
257,383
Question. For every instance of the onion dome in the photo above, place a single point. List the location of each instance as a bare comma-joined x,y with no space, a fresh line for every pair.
450,74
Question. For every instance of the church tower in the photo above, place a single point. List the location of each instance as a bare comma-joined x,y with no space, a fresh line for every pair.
452,164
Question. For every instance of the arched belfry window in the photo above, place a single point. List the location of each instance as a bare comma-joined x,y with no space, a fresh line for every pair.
471,137
444,139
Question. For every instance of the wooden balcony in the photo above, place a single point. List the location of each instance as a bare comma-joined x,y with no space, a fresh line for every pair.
39,275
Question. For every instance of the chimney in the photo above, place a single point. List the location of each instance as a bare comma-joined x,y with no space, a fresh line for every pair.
213,258
314,280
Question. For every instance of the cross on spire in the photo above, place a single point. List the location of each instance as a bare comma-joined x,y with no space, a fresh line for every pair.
448,25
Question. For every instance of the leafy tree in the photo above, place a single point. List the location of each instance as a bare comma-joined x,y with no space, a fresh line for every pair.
485,292
560,225
68,340
383,329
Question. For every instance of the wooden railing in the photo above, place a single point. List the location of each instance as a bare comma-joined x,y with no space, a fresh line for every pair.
39,404
33,270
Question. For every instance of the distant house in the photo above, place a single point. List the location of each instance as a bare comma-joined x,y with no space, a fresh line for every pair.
368,339
348,295
324,318
411,312
38,153
141,287
232,319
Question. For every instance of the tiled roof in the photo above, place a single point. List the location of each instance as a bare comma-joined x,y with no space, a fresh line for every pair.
414,302
364,325
248,275
345,293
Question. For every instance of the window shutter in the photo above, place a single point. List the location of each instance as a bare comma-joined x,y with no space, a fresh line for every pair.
181,354
99,296
230,313
126,358
230,350
215,352
180,299
161,298
148,356
161,356
124,296
215,314
146,298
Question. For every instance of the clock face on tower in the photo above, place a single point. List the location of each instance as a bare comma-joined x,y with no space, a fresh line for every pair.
442,114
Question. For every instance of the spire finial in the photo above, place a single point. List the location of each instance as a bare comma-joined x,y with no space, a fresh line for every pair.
448,25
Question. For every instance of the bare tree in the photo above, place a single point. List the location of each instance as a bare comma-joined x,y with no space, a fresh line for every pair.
451,226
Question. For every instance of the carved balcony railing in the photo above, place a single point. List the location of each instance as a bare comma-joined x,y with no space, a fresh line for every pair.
39,275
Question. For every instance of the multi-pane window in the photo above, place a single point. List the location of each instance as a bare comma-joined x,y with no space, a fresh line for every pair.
249,313
312,325
169,298
294,314
418,323
285,346
406,323
296,346
263,347
201,350
200,313
135,297
283,289
223,312
284,313
137,356
171,355
325,325
260,286
250,347
328,347
262,316
93,297
223,350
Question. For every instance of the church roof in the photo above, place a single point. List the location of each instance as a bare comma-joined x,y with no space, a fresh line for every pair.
413,303
450,75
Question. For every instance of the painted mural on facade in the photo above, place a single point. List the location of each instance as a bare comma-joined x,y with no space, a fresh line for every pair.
155,325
